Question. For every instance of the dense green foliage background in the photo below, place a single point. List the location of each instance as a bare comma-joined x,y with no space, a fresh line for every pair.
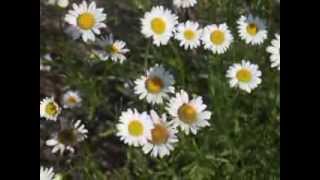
243,141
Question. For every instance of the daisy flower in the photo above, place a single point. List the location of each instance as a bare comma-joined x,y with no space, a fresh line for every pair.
188,34
68,137
217,38
252,30
87,19
189,115
134,128
246,76
71,99
63,3
163,137
159,24
155,85
274,50
46,173
184,3
49,109
115,50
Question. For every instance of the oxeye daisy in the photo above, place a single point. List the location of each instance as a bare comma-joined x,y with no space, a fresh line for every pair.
46,173
188,34
189,115
49,109
159,24
134,128
68,137
87,19
155,85
246,76
274,50
184,3
113,49
163,136
217,38
71,99
252,30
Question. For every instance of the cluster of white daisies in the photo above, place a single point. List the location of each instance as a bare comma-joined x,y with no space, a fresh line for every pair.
68,136
154,132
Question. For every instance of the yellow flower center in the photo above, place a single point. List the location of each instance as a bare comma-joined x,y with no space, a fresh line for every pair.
189,34
154,85
160,134
135,128
72,100
86,21
51,109
252,29
67,137
158,25
112,49
187,114
217,37
244,75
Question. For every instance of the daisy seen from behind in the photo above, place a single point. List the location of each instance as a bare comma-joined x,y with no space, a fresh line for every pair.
155,85
188,34
49,109
134,128
252,30
71,99
87,19
46,173
159,24
112,49
67,138
244,75
163,137
274,50
188,114
184,3
217,38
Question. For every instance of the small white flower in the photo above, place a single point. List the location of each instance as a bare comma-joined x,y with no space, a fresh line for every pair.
113,49
159,24
155,85
71,99
188,34
217,38
67,138
87,19
184,3
134,128
63,3
246,76
252,30
274,50
163,137
189,115
46,173
49,109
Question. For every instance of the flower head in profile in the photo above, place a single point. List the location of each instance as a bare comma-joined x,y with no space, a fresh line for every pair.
46,173
86,20
67,138
112,49
274,50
